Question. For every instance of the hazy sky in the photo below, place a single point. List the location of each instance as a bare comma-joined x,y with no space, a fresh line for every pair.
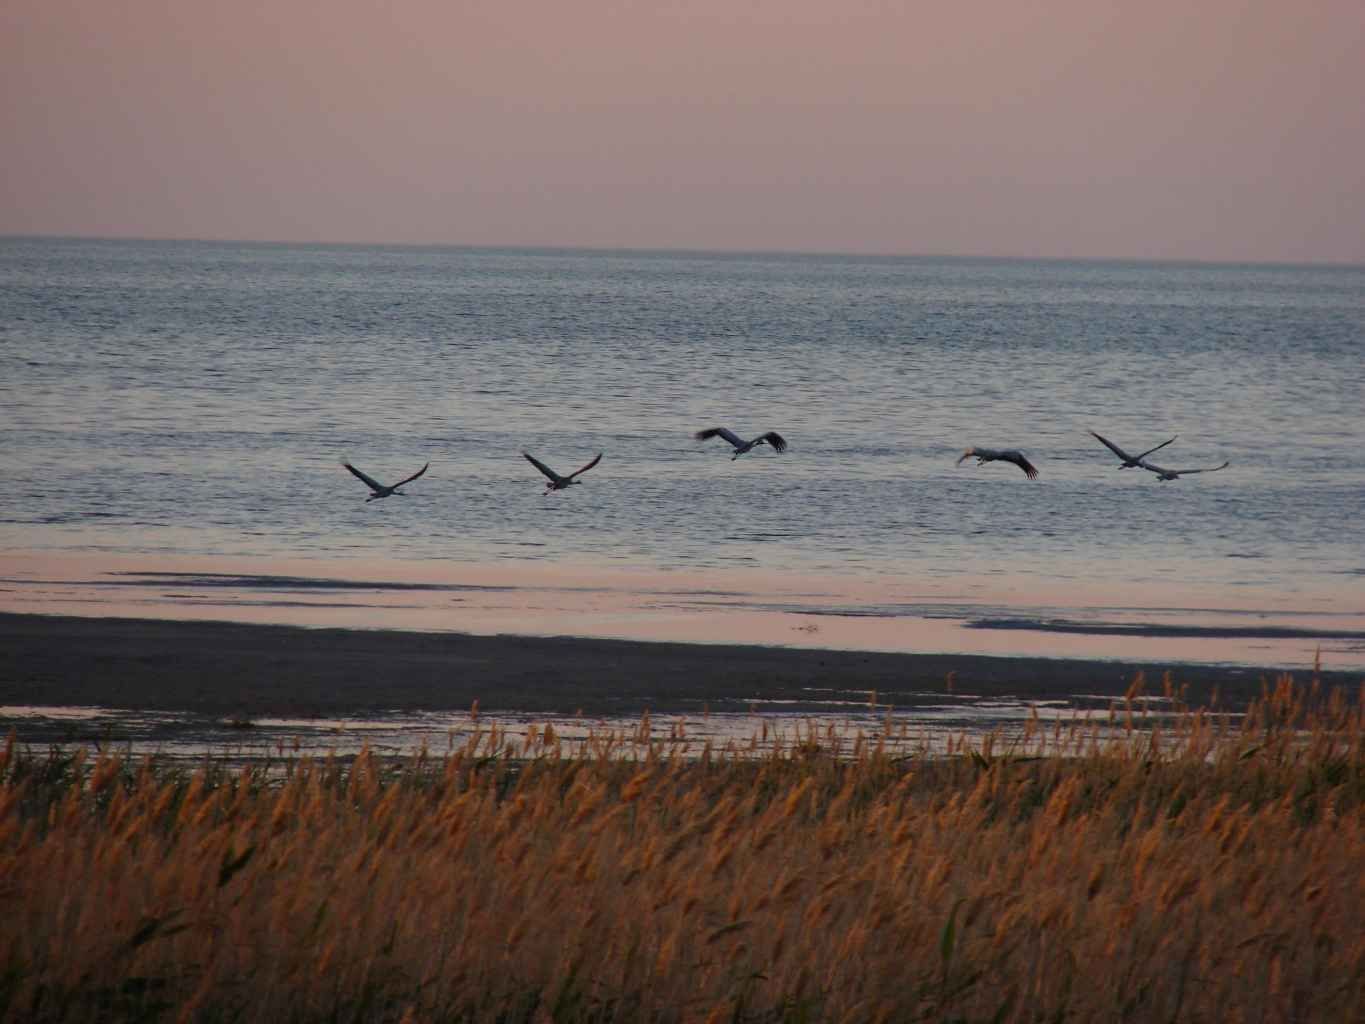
1208,129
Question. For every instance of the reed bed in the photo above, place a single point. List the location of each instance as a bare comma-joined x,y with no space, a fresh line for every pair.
1192,869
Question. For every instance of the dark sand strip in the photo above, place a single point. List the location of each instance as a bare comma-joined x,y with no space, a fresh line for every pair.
1155,630
229,668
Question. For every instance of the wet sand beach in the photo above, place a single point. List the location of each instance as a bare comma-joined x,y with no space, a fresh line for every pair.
239,669
965,615
194,655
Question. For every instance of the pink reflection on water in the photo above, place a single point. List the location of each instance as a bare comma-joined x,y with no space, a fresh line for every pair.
714,606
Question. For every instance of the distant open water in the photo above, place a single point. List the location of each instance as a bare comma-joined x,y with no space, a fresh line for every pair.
195,398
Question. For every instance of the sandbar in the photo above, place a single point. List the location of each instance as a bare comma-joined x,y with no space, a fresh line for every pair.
228,668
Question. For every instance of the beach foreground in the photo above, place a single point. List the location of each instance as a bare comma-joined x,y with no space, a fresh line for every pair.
1212,876
1147,865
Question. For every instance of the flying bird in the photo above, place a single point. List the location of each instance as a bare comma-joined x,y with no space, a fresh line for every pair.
380,490
557,482
772,437
1129,461
1172,474
985,455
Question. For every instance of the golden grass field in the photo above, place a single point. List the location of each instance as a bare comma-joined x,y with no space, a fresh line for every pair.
1187,869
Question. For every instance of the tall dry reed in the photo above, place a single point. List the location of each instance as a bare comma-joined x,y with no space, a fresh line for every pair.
1178,869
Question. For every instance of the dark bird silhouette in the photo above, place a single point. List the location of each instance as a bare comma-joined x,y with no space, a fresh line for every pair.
557,482
1129,461
382,490
772,437
985,455
1174,474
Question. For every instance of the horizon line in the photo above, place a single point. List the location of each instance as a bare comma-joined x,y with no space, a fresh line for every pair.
661,250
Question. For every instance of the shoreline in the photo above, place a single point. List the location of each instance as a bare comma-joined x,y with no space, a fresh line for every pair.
962,616
230,668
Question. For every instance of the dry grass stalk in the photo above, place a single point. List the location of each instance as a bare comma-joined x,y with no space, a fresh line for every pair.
1212,872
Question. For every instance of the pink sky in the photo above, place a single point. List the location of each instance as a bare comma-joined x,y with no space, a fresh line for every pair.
1217,129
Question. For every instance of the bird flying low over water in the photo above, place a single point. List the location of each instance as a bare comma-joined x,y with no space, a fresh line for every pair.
557,482
381,490
772,437
1173,474
985,455
1129,461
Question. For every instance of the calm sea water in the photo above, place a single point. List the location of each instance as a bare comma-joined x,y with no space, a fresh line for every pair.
194,398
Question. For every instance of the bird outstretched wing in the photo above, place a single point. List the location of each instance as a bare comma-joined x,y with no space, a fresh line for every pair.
775,439
1119,451
1018,459
1158,448
585,468
725,432
414,476
369,481
554,477
1206,469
